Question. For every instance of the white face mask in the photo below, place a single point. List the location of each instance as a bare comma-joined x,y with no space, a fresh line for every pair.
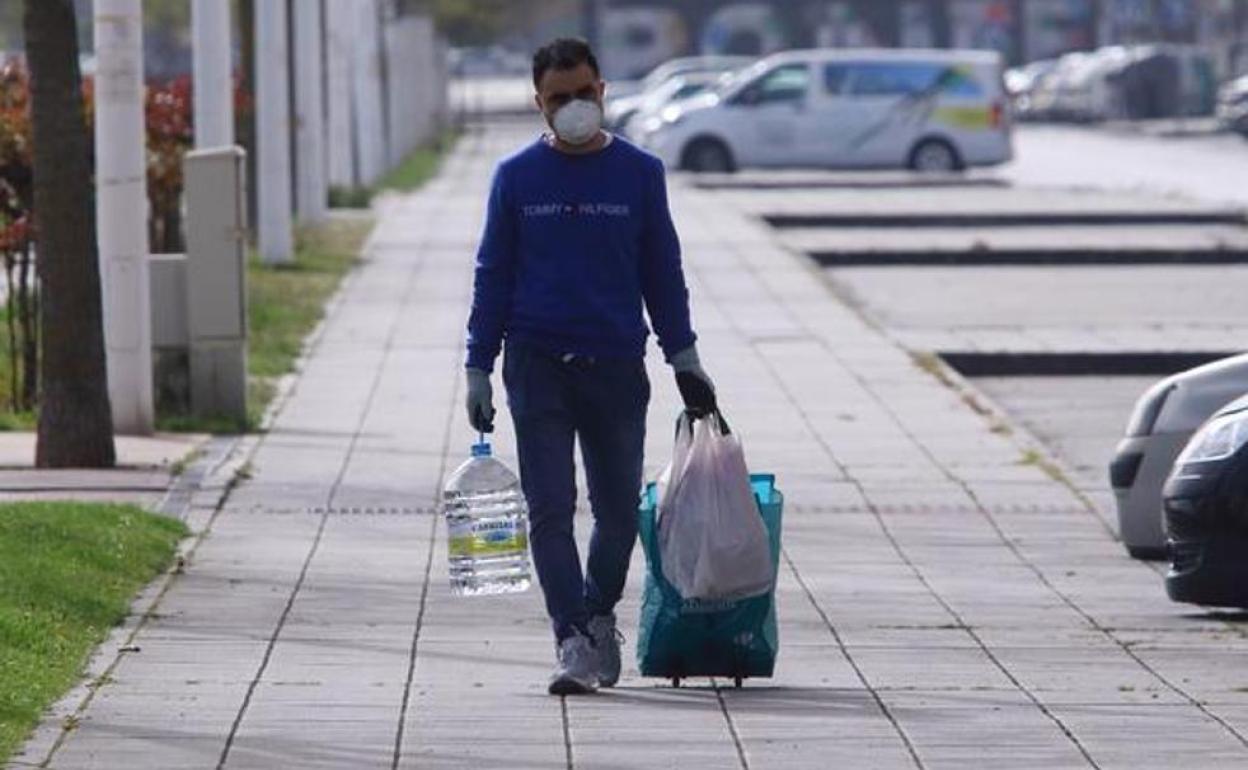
578,122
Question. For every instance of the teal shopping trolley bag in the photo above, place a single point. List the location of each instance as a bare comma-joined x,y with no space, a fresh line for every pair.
680,638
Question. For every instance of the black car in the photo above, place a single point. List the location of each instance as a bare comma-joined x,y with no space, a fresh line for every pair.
1206,511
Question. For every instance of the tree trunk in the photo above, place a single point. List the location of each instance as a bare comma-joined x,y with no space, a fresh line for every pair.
1018,31
884,20
942,28
1095,18
1155,13
591,15
75,419
10,322
27,307
245,124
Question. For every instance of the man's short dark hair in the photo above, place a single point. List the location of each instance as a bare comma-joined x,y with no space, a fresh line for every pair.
565,53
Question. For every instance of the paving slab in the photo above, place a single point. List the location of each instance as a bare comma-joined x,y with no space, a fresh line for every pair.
1047,309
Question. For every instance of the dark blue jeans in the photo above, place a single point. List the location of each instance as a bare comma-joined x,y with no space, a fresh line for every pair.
602,402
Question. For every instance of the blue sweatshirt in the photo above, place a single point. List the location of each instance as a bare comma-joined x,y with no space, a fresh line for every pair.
573,247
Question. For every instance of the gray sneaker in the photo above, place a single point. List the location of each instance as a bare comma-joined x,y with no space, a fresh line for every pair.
577,670
607,640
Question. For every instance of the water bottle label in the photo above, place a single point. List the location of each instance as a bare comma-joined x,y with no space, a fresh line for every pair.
486,538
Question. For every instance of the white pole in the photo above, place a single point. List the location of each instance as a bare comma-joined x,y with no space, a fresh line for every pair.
370,138
212,60
339,28
310,112
121,212
276,240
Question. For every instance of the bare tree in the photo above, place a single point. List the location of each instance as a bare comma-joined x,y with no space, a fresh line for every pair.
75,420
942,27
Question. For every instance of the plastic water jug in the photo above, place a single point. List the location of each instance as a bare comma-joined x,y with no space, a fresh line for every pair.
487,524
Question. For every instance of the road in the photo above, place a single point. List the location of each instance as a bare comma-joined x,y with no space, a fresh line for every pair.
1080,418
1210,168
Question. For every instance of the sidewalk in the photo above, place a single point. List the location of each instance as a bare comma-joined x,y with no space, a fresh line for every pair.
942,604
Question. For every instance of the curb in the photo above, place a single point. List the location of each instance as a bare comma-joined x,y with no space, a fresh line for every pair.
1077,364
1009,219
1024,257
728,182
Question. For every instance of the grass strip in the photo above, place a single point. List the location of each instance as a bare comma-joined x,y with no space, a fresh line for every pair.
284,304
9,420
418,167
68,572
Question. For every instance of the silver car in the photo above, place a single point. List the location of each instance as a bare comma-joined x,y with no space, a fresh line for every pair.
1163,420
1233,105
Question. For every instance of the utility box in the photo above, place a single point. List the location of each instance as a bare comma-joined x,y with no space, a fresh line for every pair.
171,367
216,281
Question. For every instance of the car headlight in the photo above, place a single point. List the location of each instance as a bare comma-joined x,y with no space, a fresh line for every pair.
1217,440
653,123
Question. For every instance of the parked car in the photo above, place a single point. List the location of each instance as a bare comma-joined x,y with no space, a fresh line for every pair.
1021,83
673,92
1162,422
926,110
1126,83
1085,89
1046,91
1233,105
658,85
1206,506
623,98
1164,81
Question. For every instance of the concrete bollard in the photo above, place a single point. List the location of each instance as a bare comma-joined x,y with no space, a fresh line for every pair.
216,282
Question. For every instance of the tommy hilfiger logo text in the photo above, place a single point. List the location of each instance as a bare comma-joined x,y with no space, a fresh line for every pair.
576,209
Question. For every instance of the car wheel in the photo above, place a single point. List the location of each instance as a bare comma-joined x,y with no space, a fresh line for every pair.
708,156
935,155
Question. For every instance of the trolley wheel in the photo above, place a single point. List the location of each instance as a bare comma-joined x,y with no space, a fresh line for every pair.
736,681
676,682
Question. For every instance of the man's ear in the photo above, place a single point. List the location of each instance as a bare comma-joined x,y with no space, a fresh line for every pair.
602,90
537,100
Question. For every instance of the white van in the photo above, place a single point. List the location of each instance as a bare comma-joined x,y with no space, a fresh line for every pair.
859,108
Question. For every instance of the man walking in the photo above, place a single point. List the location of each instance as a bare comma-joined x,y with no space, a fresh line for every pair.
578,238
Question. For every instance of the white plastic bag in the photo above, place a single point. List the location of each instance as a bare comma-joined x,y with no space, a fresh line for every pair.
712,541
